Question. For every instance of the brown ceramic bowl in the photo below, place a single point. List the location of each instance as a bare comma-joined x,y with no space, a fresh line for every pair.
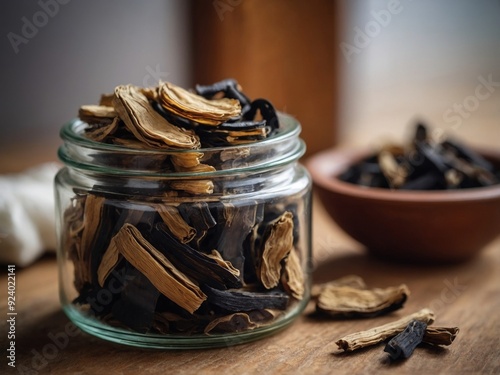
414,226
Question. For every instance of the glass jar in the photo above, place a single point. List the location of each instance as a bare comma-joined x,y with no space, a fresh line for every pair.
156,258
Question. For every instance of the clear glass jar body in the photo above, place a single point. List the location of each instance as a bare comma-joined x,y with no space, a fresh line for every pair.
152,257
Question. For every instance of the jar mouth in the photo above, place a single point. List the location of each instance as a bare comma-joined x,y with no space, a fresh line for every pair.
82,153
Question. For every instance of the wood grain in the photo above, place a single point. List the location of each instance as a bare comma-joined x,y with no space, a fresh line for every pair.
465,295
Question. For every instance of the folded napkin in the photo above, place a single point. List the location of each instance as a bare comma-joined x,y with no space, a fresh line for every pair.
27,214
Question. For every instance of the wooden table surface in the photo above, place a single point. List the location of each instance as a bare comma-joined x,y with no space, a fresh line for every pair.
465,295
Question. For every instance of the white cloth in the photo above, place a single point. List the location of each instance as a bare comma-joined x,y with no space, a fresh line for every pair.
27,215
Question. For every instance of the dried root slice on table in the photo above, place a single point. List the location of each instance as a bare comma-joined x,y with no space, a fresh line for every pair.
378,334
353,281
349,302
431,335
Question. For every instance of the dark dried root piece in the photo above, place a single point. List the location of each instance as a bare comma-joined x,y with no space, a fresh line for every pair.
246,301
403,345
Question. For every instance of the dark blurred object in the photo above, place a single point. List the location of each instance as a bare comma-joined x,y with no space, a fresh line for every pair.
424,165
286,50
436,226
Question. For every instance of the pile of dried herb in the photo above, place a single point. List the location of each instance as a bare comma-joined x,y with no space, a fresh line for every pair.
424,164
349,297
180,259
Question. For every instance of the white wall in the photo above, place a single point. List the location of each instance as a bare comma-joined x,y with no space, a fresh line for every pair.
424,60
81,50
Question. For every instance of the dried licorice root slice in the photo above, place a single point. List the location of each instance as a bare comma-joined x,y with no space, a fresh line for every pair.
195,107
403,345
198,266
234,300
293,279
238,322
345,301
267,112
227,88
354,281
193,187
234,223
197,215
242,125
148,125
440,335
278,243
175,223
375,335
231,136
171,282
97,114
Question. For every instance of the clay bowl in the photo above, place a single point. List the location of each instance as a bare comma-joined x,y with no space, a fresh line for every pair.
409,226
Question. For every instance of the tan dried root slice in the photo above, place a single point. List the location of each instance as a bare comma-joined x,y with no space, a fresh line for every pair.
238,322
198,169
109,261
293,277
195,187
106,100
346,301
146,124
91,220
235,154
190,162
74,224
150,92
158,269
195,107
187,159
354,281
215,255
440,335
277,246
100,133
175,223
97,114
396,174
375,335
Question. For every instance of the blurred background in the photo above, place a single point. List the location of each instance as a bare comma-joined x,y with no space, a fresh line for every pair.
354,72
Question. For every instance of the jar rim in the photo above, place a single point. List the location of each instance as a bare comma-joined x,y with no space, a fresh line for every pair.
73,151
